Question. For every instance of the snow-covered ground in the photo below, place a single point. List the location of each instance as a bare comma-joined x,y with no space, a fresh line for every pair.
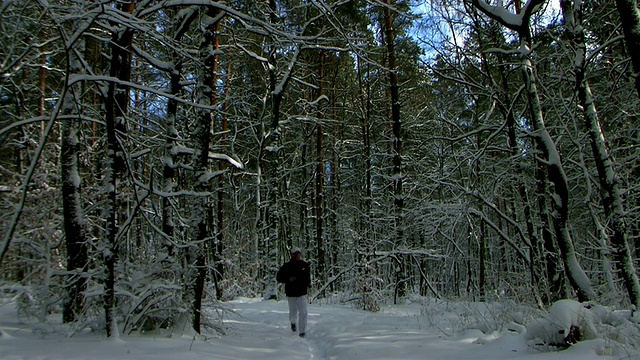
257,329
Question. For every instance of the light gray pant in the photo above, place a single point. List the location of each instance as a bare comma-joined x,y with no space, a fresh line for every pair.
298,311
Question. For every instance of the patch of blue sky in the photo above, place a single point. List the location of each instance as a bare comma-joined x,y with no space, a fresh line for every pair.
442,24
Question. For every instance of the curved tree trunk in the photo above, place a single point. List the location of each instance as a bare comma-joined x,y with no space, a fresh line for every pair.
550,158
608,178
560,191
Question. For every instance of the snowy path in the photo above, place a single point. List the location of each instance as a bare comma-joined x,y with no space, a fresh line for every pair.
267,322
396,332
258,329
333,332
336,332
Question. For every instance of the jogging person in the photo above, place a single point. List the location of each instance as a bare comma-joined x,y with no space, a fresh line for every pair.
296,276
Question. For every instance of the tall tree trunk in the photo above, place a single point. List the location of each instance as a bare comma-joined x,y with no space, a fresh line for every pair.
183,21
272,217
482,252
551,261
630,20
365,103
303,215
266,202
608,178
394,93
218,248
169,168
560,191
72,209
335,184
116,109
202,144
318,204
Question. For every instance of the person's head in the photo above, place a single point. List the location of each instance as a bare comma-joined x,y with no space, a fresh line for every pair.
296,253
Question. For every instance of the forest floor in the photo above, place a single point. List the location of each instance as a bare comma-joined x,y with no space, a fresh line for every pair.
259,329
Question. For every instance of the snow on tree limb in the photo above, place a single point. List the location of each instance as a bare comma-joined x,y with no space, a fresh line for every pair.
227,158
287,76
514,21
521,254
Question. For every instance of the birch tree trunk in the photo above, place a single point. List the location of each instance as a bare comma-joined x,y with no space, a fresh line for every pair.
559,198
608,178
540,283
550,158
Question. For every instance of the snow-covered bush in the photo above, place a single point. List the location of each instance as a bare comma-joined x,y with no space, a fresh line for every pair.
240,282
569,321
457,317
619,326
31,301
368,297
148,302
492,316
26,303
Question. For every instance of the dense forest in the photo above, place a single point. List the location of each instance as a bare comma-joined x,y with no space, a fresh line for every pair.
158,154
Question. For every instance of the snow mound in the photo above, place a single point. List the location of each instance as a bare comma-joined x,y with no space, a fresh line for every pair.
569,322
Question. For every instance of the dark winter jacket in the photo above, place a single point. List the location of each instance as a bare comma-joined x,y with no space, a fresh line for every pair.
296,276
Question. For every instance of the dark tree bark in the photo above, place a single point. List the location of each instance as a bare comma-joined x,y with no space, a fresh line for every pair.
394,93
72,209
202,144
318,204
365,102
394,97
364,91
183,23
630,20
219,245
116,109
551,260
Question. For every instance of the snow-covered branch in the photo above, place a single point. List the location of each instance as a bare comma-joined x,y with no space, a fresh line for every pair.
227,158
517,21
